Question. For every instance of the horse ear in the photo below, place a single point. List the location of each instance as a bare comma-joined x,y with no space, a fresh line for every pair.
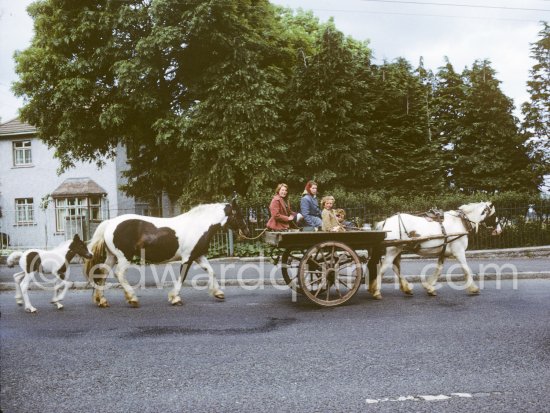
228,210
76,237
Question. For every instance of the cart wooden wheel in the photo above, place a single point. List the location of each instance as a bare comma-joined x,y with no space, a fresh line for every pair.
330,273
290,264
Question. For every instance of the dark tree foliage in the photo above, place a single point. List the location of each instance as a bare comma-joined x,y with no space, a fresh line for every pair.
214,96
536,112
490,153
449,96
405,157
326,132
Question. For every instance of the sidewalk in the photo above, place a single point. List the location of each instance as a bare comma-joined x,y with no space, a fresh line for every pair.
505,264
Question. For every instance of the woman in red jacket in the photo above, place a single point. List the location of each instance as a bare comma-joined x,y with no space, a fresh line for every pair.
281,214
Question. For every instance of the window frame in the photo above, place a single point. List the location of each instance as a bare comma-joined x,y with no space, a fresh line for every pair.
24,210
22,155
88,206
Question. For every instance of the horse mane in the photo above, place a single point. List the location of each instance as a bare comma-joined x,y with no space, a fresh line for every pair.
204,208
467,208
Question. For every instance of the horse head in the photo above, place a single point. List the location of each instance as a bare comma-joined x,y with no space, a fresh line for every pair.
490,219
78,247
482,213
235,218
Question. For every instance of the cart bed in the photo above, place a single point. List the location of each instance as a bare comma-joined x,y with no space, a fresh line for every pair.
304,240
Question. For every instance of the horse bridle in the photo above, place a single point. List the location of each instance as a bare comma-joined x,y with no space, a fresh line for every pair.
468,224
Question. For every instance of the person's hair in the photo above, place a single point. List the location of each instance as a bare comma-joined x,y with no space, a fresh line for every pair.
279,188
325,199
309,185
340,212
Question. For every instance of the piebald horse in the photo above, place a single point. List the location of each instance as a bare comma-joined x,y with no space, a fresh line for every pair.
408,227
185,238
54,261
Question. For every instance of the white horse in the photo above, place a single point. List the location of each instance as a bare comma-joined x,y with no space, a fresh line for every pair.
185,238
54,261
408,227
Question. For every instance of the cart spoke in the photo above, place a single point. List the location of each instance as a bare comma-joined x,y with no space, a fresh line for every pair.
317,291
346,265
341,281
313,281
315,272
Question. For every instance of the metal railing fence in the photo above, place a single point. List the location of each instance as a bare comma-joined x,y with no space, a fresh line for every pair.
523,226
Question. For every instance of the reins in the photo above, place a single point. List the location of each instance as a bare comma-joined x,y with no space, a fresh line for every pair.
254,238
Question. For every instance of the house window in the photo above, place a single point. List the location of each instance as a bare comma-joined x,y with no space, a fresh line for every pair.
24,211
88,208
22,153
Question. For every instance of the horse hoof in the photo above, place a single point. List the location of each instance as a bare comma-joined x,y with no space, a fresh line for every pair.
219,295
103,303
31,310
431,293
474,292
134,303
19,302
176,301
377,296
409,293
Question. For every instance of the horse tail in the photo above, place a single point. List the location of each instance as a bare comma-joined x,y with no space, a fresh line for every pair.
98,249
13,258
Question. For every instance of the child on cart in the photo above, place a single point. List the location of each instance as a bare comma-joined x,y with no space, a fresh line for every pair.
328,216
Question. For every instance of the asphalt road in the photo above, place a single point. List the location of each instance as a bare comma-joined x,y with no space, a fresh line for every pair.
259,351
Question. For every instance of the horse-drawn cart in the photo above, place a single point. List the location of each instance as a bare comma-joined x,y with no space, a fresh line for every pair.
326,266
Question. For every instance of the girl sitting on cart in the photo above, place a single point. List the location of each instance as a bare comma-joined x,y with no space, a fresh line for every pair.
330,221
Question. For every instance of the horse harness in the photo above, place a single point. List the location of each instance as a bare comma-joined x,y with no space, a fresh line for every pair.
435,215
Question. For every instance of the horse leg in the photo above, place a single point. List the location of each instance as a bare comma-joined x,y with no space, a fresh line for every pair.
403,283
18,295
121,277
173,296
374,287
470,284
432,279
99,282
57,296
213,286
372,266
24,288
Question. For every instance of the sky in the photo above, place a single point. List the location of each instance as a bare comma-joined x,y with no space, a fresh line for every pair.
501,31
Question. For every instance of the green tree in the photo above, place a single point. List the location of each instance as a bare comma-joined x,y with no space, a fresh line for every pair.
536,112
99,74
447,114
405,156
490,154
325,130
233,127
191,88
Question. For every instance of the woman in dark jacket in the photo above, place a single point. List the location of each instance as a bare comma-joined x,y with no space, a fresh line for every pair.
282,215
309,206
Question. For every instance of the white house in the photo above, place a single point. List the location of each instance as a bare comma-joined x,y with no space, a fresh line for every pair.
38,207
